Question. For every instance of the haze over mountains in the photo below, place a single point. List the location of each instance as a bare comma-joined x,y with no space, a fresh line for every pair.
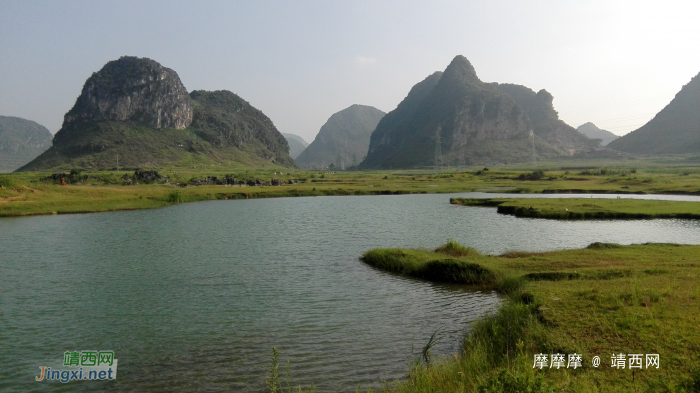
297,144
674,130
138,112
21,141
592,131
344,139
134,112
453,118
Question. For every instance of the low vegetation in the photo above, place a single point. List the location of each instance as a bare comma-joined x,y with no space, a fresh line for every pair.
586,208
602,300
30,193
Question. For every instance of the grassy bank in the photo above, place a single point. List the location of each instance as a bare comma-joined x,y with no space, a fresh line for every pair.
586,208
605,299
30,194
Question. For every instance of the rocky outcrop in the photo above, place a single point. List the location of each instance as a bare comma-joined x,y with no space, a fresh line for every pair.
138,90
21,141
544,119
344,139
135,113
453,118
674,130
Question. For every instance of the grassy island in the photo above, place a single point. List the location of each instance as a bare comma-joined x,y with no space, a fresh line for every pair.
602,300
586,208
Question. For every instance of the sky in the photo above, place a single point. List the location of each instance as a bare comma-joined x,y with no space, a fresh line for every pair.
613,63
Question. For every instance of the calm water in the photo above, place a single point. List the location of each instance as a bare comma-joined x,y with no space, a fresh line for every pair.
194,297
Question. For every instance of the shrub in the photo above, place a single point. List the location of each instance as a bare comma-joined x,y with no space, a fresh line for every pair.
175,197
534,175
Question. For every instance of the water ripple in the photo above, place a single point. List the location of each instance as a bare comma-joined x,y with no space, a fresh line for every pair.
194,297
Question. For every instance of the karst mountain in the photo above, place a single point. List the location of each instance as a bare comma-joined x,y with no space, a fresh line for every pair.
21,141
134,112
674,130
342,142
453,118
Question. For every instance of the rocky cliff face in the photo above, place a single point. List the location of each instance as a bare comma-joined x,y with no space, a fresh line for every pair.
21,141
133,89
136,113
674,130
344,139
453,118
544,119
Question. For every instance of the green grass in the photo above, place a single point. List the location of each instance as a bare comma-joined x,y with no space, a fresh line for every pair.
587,208
430,267
25,194
595,301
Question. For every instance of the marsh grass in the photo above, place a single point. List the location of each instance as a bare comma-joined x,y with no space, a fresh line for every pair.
8,182
175,197
26,194
274,381
594,301
433,266
426,352
587,209
455,249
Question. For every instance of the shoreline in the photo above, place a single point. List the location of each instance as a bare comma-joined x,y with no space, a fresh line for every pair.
33,193
602,299
587,208
499,203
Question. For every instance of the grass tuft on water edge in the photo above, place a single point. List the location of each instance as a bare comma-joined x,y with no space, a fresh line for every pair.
433,266
455,249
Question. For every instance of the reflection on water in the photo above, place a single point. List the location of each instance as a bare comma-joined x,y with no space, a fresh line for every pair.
195,296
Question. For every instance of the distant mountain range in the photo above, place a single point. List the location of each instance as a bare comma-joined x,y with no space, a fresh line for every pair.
343,141
137,113
21,141
674,130
296,143
453,118
134,112
590,130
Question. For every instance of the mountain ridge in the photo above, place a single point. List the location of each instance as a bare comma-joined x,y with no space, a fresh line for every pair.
673,130
296,143
343,140
21,141
592,131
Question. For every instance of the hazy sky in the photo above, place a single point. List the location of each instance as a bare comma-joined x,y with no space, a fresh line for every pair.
615,63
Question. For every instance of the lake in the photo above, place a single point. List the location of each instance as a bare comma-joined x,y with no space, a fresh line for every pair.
194,297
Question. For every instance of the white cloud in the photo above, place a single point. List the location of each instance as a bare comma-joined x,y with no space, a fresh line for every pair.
362,61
